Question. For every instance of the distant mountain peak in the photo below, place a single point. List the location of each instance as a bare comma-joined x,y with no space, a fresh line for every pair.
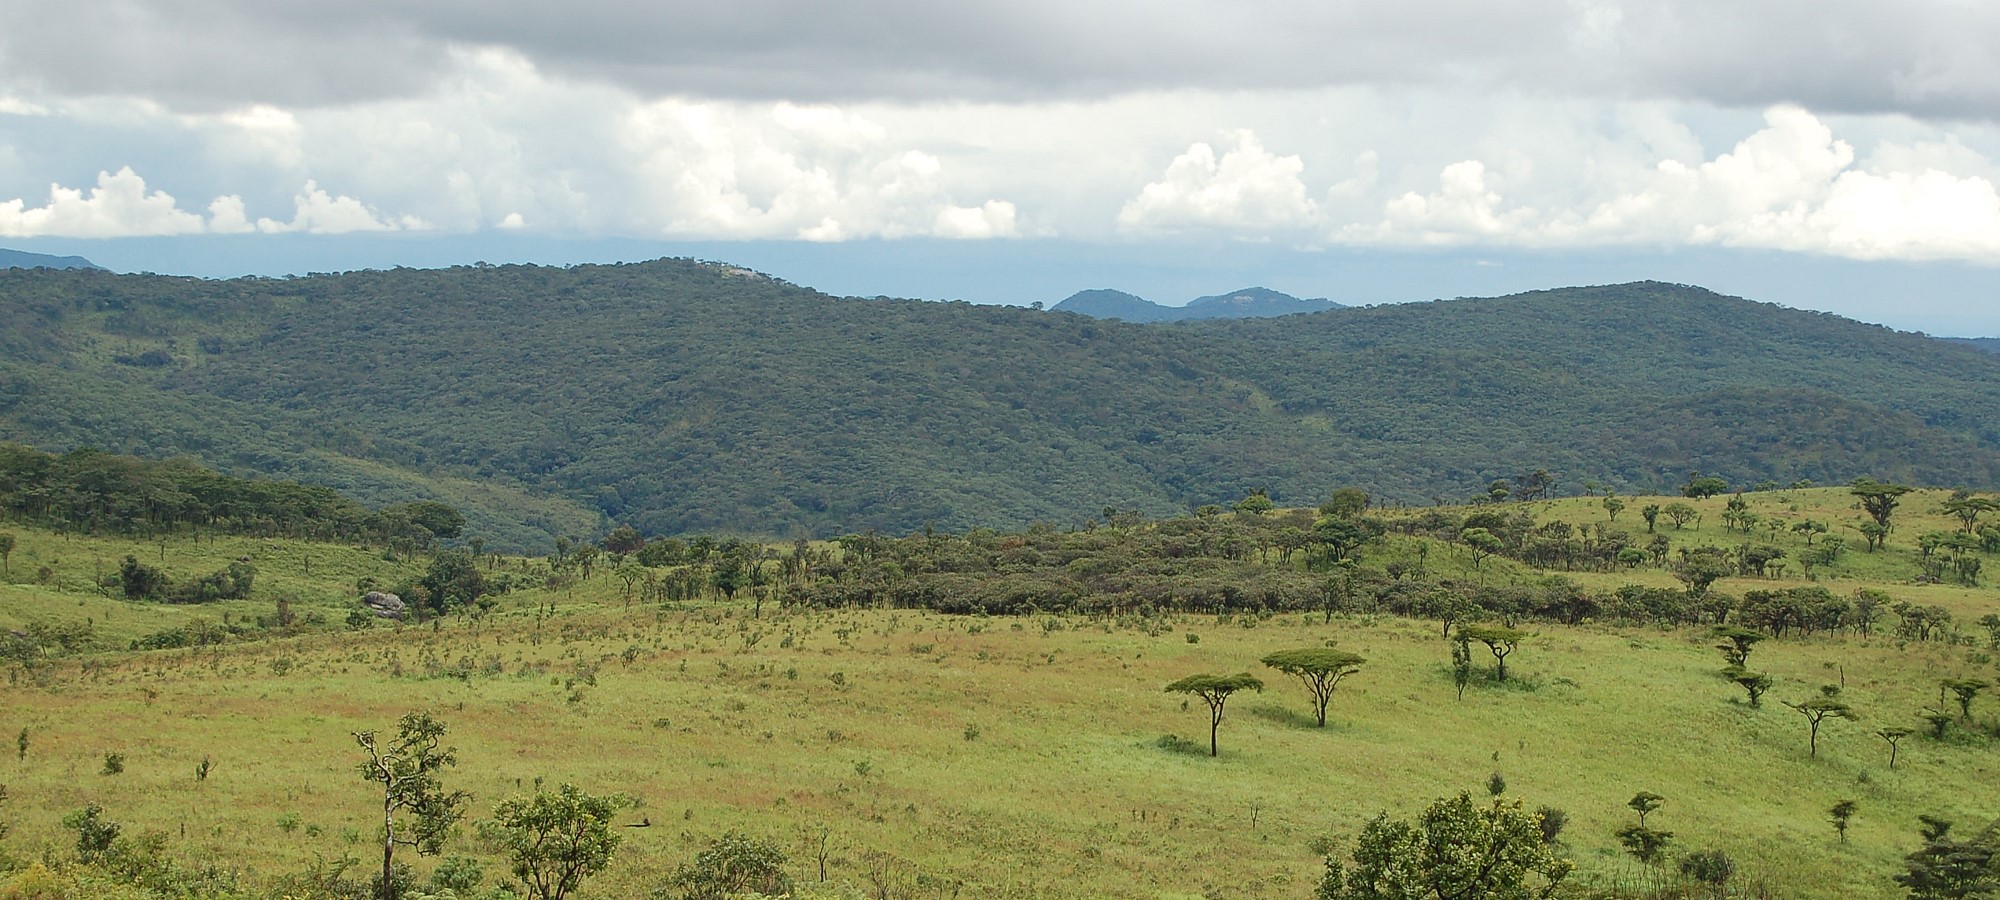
22,259
1248,303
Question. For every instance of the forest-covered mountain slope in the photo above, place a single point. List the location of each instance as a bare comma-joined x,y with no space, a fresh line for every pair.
1248,303
22,259
680,396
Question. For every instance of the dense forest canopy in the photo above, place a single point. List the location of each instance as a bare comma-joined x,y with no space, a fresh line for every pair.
682,396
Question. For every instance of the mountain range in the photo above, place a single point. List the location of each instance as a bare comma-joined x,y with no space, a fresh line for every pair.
682,396
1248,303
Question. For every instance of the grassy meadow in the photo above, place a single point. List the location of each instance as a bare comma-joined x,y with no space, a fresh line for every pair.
914,754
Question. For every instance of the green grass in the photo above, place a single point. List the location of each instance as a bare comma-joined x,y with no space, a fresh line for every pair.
1022,757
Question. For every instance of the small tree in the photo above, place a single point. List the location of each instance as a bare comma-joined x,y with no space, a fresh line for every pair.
1319,669
1817,711
1894,736
1841,813
1939,721
1456,848
1878,498
1651,513
1680,513
1645,803
1481,542
1644,843
6,553
1752,683
556,840
1461,664
734,864
1737,643
408,769
1215,690
1964,689
1612,507
1499,639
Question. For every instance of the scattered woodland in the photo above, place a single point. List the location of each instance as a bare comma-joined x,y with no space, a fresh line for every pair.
1728,690
681,397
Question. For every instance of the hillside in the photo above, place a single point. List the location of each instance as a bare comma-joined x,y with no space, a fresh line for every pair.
22,259
681,396
1248,303
1990,345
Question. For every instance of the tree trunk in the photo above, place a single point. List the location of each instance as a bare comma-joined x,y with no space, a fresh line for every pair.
388,847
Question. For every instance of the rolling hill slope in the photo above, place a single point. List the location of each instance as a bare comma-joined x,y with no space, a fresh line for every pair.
682,396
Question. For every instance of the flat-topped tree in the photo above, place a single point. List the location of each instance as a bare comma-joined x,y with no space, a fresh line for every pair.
1818,710
1499,639
1319,669
1878,498
1964,689
1738,641
1893,736
1752,683
1215,690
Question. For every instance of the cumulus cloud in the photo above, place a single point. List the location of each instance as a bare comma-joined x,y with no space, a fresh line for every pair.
317,212
119,206
1247,189
1792,185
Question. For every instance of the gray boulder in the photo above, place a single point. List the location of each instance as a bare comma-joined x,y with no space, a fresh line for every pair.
388,606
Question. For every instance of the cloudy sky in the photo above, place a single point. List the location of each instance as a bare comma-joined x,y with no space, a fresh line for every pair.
1832,155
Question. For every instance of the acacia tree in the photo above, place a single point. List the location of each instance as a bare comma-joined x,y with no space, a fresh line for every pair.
1893,736
1499,639
1878,498
1651,513
1945,868
408,769
1215,690
556,840
1740,641
1752,683
1819,710
1455,849
1319,669
1964,689
1841,813
1680,513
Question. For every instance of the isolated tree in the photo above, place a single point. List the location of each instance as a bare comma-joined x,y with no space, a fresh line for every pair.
1939,721
1499,639
1964,689
1457,848
1651,513
1737,642
1257,503
1461,664
1702,487
1346,501
1894,736
1841,813
6,553
1215,690
1817,711
1680,513
1878,498
1612,507
1645,803
408,769
1700,568
1646,844
734,864
1481,542
556,840
1945,868
1319,669
1752,683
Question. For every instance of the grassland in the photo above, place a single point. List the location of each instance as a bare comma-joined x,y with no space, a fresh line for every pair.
982,757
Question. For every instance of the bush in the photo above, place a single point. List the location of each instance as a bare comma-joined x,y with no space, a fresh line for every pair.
732,864
1711,867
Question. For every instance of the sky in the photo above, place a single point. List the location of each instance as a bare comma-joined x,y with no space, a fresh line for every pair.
1828,155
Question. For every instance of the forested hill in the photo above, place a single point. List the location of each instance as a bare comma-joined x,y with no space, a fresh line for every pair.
681,396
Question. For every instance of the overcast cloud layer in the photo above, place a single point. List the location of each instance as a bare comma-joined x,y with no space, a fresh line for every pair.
1859,131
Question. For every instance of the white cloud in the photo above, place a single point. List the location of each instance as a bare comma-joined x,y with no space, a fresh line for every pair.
994,219
512,221
317,212
227,215
1792,185
118,206
15,106
1248,189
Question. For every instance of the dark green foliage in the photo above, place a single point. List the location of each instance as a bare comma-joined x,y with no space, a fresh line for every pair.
1456,848
453,582
1817,711
733,864
1753,683
1946,869
94,833
1710,867
1499,639
681,396
1842,813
